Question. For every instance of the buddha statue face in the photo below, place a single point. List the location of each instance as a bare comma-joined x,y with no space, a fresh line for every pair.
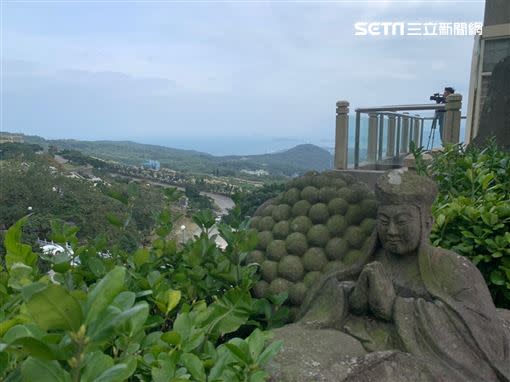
399,228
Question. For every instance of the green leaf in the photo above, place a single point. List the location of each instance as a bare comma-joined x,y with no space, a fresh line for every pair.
141,257
16,251
118,373
54,308
36,348
194,366
269,353
259,376
134,317
497,277
33,369
95,364
238,353
256,342
20,276
172,338
104,292
124,300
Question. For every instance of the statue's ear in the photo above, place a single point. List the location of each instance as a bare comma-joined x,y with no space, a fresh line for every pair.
429,222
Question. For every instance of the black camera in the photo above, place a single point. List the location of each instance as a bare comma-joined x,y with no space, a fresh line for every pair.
438,98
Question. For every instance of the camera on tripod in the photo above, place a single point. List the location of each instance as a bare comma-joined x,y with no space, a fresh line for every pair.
438,97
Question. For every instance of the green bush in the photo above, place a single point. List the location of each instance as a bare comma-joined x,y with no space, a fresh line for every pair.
162,313
472,211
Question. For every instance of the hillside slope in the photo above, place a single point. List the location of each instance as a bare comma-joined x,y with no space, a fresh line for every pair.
296,160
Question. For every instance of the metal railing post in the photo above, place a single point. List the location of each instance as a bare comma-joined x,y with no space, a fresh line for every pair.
341,134
452,118
372,137
404,146
390,148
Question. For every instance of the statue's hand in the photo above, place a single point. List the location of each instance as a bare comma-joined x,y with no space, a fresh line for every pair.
381,294
358,298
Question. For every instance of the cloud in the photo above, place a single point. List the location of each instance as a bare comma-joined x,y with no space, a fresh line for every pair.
105,71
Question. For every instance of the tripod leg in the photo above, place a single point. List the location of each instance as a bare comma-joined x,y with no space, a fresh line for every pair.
431,134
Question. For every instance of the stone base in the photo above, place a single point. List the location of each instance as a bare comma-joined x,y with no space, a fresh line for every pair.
326,355
318,355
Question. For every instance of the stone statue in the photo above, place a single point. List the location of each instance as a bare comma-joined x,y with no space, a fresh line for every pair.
419,312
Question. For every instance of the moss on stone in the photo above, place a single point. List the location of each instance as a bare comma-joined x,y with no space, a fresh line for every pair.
338,183
264,238
320,181
291,196
269,270
301,208
255,256
367,226
276,250
314,259
301,224
281,229
268,211
318,235
360,191
281,212
333,266
260,289
337,225
296,243
326,194
319,213
254,222
278,285
354,215
337,206
266,223
301,182
311,277
291,268
347,194
337,248
355,237
310,194
369,208
352,256
297,293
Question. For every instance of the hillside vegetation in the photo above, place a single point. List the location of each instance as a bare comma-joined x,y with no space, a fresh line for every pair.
291,162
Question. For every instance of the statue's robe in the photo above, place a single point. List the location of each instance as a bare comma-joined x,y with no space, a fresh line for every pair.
454,330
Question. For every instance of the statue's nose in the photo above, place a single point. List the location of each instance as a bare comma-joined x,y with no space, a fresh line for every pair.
392,228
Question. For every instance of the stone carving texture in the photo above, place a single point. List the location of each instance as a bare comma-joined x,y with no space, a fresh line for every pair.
419,313
322,222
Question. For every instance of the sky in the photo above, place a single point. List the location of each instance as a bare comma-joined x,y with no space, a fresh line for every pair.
154,71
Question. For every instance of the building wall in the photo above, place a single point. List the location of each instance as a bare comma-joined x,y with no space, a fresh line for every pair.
492,47
497,12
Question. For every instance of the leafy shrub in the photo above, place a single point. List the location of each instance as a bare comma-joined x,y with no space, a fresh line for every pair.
158,314
472,211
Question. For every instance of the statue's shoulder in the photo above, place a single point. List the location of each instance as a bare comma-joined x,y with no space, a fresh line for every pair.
454,271
440,257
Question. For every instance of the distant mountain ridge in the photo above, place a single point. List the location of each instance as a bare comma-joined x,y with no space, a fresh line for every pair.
297,160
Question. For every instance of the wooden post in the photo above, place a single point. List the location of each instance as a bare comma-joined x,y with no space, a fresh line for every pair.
341,134
404,144
451,130
390,148
372,138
